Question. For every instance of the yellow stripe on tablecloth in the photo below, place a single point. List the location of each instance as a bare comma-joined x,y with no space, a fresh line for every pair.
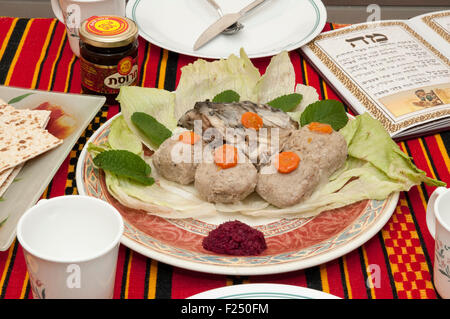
8,36
23,292
443,150
43,51
427,158
127,282
19,50
162,69
346,275
369,275
325,89
151,294
145,61
324,278
69,74
305,72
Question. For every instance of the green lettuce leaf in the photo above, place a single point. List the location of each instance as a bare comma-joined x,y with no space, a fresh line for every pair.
203,80
155,102
278,80
122,138
368,140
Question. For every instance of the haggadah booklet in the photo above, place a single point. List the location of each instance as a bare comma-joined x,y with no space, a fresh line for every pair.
397,70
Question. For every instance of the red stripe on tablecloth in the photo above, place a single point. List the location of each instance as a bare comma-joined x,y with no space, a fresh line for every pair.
334,277
187,283
113,110
152,66
47,64
63,68
119,272
136,276
5,25
22,75
376,258
261,64
356,281
297,64
438,158
313,78
17,276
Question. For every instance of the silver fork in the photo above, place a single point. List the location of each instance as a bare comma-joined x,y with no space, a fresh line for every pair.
232,29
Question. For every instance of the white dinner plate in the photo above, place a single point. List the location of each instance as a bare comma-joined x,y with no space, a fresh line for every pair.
272,27
263,291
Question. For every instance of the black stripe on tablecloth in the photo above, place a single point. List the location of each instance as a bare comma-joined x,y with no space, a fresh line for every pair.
446,139
144,63
364,272
123,285
57,63
430,157
8,272
71,67
343,280
171,71
302,67
313,279
148,264
11,48
46,54
164,281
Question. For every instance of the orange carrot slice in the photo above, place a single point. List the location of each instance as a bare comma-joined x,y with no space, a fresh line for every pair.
226,156
320,128
251,120
189,137
287,162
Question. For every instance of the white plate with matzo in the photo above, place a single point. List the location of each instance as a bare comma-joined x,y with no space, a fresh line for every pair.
22,185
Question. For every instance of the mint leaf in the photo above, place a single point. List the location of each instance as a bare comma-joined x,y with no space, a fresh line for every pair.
228,96
126,164
330,112
151,128
286,102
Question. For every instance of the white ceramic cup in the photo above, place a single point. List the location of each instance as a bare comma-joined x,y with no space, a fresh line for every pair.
73,12
438,223
71,245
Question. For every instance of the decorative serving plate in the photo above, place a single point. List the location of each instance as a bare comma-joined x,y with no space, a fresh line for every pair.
293,244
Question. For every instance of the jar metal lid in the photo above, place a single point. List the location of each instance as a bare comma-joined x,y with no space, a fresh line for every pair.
108,31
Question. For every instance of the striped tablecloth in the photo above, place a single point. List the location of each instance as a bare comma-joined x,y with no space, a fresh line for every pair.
35,53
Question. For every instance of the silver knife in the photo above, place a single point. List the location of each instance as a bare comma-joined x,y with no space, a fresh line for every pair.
224,22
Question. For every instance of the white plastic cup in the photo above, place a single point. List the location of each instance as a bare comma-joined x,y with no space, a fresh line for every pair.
438,223
73,12
71,244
